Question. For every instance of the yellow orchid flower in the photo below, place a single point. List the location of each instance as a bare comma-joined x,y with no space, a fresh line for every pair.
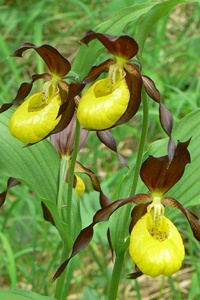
39,114
80,185
115,99
35,118
156,246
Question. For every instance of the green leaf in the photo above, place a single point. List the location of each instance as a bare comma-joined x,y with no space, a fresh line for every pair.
150,18
18,294
37,166
87,55
9,260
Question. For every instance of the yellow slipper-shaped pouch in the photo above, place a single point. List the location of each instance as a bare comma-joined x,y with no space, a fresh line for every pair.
103,104
35,118
156,251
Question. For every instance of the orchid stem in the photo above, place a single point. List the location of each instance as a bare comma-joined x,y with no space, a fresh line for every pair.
142,142
60,291
71,173
62,176
115,277
112,295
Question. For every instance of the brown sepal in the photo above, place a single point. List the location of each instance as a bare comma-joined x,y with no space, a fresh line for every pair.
159,174
73,91
134,82
192,218
122,46
138,211
66,117
55,62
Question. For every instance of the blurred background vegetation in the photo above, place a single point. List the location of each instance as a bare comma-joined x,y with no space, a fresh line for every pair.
171,59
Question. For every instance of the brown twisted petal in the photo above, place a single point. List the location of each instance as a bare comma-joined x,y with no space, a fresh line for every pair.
104,200
159,174
192,218
86,234
55,62
107,139
120,46
96,71
24,90
150,88
165,116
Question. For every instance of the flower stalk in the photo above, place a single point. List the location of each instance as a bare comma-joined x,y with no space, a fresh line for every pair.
71,173
60,291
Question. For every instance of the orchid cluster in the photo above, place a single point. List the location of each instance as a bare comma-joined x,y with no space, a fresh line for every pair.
156,246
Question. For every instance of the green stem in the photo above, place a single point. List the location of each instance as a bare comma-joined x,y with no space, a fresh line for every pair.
60,281
112,295
61,184
120,258
142,142
60,292
71,174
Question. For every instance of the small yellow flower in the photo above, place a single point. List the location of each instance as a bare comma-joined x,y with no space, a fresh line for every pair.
80,186
156,246
103,104
35,117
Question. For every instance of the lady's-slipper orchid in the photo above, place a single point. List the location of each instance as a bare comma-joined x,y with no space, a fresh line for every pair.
155,243
38,116
156,246
113,100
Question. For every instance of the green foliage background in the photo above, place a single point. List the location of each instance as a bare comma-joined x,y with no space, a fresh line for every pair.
171,58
